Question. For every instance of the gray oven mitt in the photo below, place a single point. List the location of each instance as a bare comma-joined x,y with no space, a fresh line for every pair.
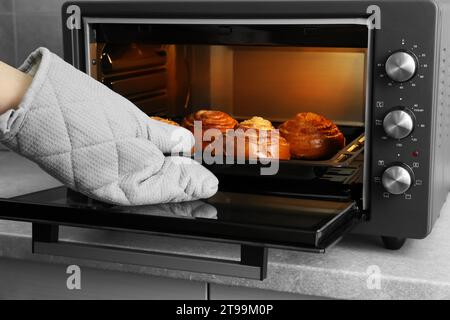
98,143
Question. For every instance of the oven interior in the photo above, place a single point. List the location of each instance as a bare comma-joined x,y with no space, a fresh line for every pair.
272,71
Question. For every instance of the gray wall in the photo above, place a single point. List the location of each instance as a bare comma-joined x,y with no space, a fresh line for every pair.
7,50
26,25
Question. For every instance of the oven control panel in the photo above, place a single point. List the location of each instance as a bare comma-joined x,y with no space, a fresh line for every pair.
402,118
401,121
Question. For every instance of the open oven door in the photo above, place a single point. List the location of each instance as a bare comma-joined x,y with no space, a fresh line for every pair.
254,221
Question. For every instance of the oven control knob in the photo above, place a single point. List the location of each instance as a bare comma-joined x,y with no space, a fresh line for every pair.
401,66
399,123
397,179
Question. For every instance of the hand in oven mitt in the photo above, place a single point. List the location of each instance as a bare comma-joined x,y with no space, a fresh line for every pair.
98,143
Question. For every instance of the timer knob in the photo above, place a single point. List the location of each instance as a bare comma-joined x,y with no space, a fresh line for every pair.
401,66
399,123
397,179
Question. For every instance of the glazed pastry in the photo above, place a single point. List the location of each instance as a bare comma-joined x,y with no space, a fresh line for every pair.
210,120
312,136
261,141
168,121
257,123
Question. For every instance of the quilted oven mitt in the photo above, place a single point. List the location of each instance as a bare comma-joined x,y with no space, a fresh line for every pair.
98,143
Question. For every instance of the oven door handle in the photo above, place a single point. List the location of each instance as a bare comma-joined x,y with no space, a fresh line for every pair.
252,265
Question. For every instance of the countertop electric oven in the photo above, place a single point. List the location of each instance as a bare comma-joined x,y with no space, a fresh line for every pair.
378,69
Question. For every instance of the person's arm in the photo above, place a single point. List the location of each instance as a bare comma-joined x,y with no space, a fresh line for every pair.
13,85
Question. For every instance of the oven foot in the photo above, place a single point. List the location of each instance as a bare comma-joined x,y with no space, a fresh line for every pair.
393,243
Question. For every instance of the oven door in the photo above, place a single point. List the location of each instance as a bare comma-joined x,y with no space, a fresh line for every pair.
243,218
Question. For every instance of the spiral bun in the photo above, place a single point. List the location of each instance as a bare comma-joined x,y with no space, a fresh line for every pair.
256,123
312,136
261,141
210,120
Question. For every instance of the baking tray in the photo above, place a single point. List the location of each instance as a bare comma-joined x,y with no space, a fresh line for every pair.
296,168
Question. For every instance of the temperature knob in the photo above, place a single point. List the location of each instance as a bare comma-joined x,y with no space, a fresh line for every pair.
397,179
401,66
399,123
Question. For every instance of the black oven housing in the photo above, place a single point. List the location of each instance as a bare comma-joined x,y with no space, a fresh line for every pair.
418,26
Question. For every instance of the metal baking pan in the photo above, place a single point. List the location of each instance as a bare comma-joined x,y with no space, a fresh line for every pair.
297,168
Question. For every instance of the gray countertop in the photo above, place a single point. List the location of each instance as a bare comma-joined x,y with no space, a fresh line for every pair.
420,270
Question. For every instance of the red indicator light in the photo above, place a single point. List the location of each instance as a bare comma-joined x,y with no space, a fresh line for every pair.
415,153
